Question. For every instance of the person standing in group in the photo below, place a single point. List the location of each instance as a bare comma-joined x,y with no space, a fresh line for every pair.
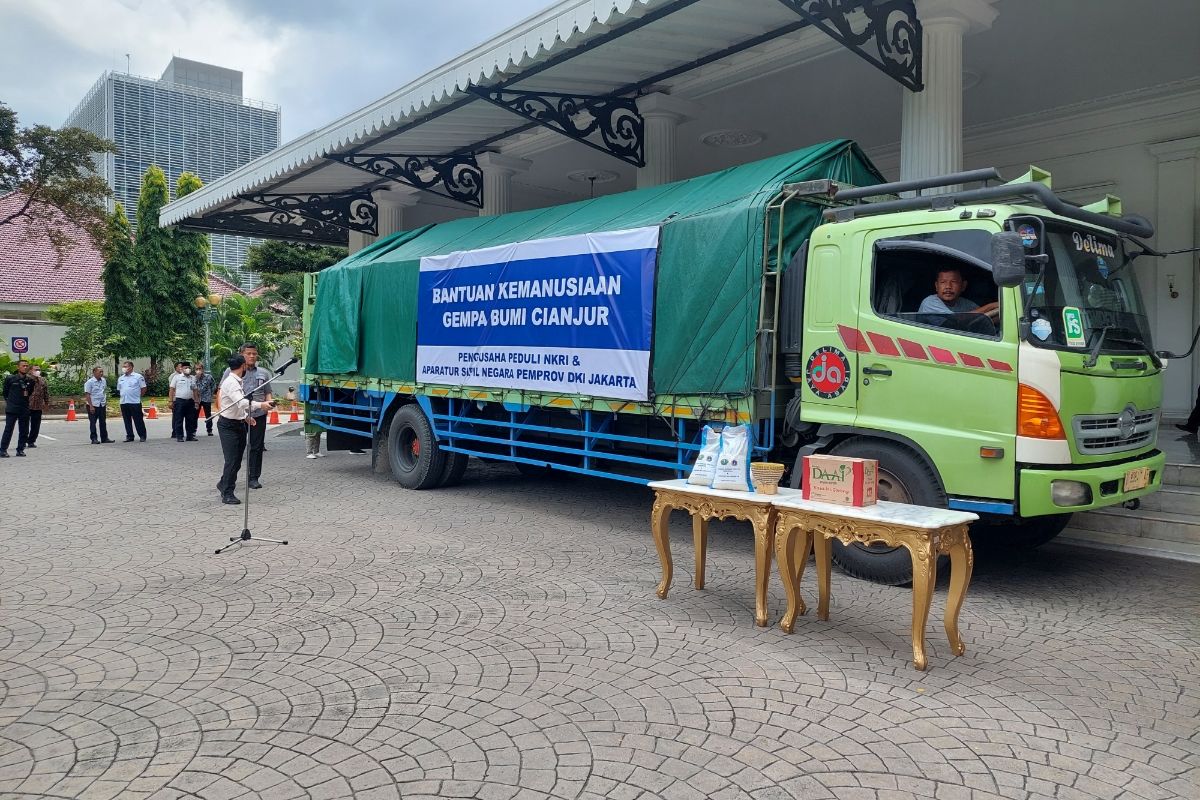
95,395
235,419
39,401
17,389
183,404
176,420
131,386
254,383
204,388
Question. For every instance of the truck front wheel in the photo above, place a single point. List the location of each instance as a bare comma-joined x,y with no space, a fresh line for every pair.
904,477
416,460
1020,534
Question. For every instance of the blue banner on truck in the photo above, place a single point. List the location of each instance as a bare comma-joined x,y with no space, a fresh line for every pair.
572,315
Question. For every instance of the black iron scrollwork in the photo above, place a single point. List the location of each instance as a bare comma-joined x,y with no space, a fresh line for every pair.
609,124
269,224
891,25
355,211
457,177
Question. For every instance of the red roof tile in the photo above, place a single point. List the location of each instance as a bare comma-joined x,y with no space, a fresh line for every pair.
218,285
30,271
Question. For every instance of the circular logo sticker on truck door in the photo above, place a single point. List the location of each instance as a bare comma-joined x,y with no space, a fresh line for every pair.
827,372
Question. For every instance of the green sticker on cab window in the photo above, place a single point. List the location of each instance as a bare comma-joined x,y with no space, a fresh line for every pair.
1073,327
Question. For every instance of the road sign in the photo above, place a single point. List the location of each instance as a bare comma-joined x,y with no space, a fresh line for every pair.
20,344
1073,327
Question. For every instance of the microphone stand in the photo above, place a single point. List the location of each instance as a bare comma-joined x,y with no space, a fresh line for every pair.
249,398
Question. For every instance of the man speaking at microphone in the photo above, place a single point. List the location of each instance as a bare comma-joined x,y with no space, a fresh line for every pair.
234,420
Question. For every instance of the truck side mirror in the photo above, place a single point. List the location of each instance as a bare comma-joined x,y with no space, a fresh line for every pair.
1008,259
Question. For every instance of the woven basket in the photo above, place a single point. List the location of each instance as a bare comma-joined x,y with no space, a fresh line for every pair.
766,476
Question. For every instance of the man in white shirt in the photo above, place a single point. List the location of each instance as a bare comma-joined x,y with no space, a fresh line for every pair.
184,413
95,395
132,386
233,422
254,383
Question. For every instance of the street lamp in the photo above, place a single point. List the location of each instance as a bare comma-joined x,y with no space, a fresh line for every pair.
206,307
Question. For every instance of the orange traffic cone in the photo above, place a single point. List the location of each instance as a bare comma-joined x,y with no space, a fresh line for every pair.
152,412
295,416
200,414
71,411
273,417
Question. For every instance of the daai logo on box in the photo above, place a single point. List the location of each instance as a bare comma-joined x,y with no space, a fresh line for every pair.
843,471
827,372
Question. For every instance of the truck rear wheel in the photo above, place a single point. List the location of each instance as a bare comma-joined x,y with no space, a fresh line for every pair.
456,467
904,477
413,453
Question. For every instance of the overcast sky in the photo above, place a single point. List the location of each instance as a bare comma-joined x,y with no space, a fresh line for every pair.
318,59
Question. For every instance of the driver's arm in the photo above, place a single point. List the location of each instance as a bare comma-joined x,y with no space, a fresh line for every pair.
990,309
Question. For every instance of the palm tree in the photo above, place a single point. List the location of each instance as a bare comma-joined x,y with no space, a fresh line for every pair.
244,319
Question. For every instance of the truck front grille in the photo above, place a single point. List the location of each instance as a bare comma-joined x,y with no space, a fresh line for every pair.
1098,434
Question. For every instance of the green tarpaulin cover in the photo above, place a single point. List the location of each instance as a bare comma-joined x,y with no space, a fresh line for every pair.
708,276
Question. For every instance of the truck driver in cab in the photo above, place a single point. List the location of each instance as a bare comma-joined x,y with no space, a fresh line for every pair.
947,297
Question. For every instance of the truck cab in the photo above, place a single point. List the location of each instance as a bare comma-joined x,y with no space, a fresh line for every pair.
1023,397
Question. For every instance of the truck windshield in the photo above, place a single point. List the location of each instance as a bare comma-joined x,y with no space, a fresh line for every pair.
1085,289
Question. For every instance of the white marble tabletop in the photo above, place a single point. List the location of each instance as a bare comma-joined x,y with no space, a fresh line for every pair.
883,511
681,485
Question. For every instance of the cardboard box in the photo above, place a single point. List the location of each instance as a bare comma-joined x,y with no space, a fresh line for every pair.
845,481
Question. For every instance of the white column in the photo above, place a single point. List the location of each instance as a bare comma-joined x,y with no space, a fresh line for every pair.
391,203
498,170
663,115
359,241
931,126
1174,319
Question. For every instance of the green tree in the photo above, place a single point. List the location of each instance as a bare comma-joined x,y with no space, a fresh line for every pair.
281,257
121,327
189,278
153,252
84,343
282,266
244,319
55,172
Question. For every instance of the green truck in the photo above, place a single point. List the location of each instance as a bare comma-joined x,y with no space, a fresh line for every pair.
987,345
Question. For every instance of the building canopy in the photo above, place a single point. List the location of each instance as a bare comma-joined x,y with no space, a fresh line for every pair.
575,70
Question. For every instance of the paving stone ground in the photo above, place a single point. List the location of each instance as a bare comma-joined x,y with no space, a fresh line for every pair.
502,639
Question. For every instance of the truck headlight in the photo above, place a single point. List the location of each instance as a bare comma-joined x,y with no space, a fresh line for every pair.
1070,493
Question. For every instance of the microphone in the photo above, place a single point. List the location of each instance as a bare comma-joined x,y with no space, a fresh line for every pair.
282,369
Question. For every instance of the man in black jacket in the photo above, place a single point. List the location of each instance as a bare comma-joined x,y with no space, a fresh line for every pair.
18,388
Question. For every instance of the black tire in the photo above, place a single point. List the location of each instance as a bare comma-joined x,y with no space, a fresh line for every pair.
413,453
904,477
455,468
1019,534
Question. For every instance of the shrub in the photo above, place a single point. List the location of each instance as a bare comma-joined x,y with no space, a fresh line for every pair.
61,385
159,385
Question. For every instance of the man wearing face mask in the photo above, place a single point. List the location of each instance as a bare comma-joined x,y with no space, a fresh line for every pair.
39,401
17,389
95,395
183,404
132,386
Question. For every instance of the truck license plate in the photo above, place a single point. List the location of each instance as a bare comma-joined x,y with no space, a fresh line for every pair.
1138,478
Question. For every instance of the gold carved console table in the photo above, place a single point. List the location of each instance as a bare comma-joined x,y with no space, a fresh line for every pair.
705,504
925,532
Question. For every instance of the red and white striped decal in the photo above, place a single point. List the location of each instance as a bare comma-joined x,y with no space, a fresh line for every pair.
858,342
